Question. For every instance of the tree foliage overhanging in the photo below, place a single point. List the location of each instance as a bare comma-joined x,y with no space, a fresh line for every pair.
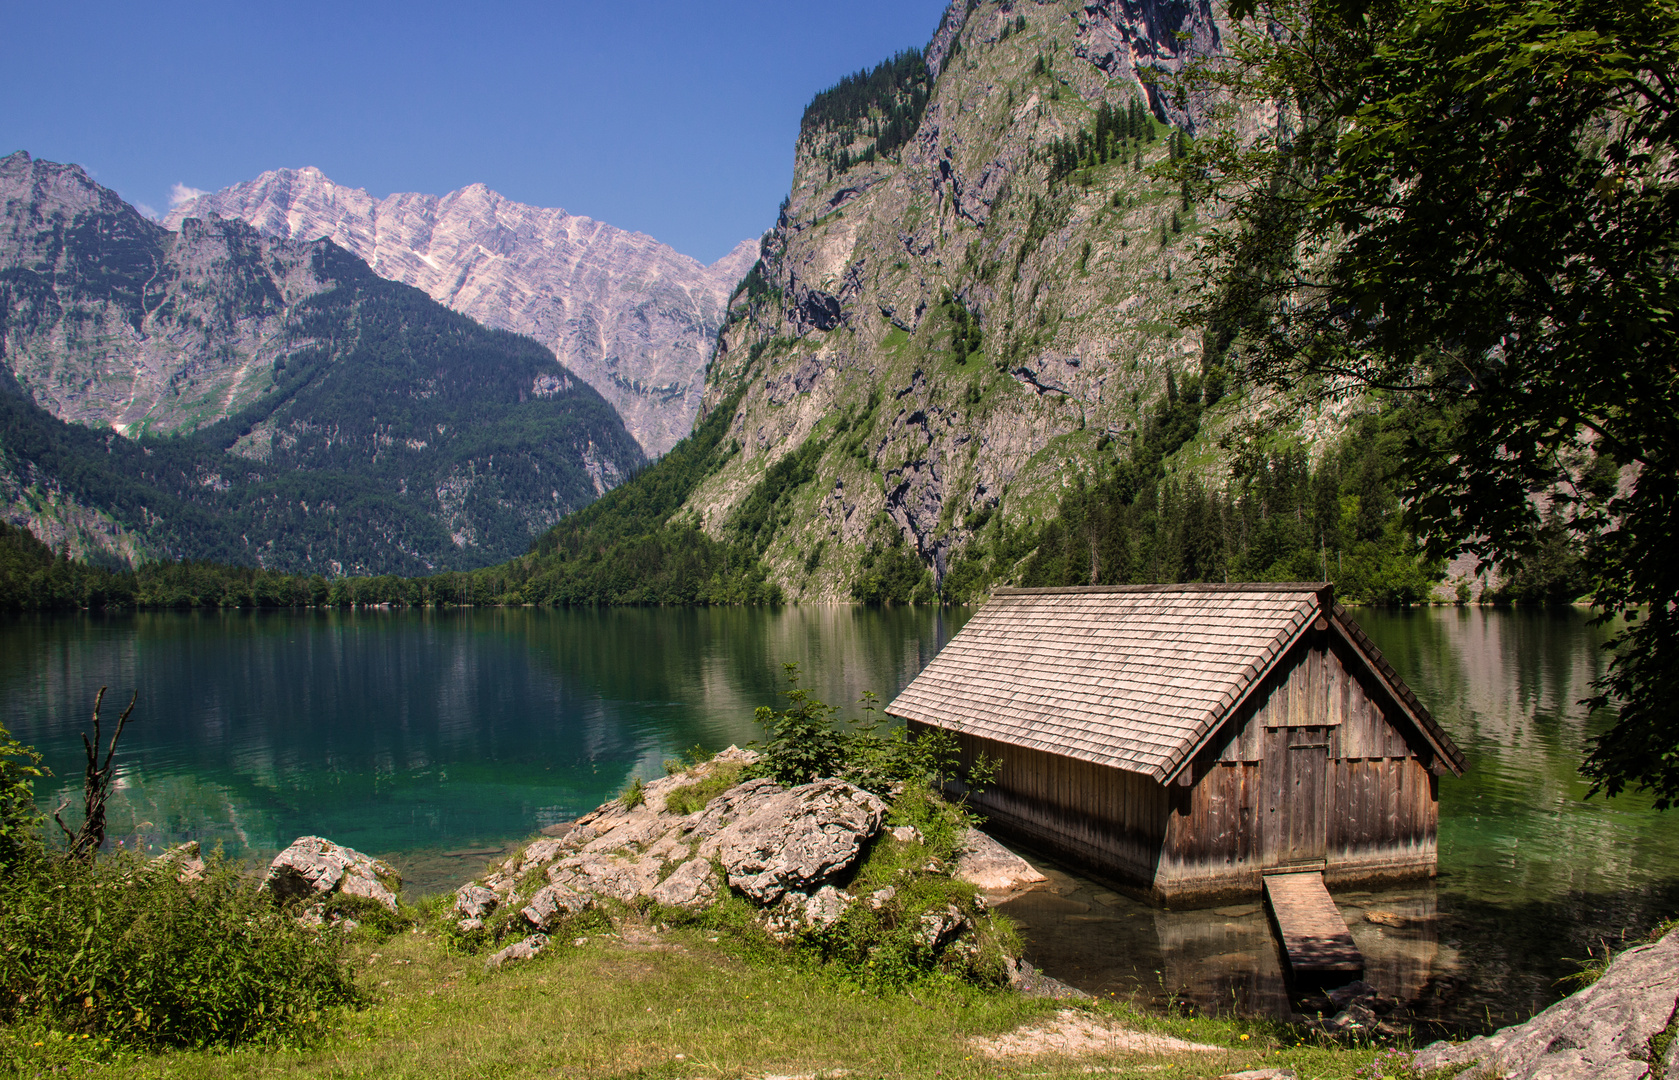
1475,204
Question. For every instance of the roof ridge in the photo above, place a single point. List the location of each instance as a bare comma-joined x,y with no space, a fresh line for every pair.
1193,587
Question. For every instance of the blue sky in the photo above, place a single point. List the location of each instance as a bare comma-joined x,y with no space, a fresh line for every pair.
673,119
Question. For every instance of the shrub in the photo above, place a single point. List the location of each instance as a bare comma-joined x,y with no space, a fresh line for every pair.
119,947
19,766
806,741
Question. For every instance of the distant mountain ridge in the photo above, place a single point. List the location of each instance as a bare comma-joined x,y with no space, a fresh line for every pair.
321,418
632,317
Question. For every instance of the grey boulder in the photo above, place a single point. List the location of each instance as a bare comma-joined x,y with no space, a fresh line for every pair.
691,885
795,840
553,903
519,950
940,928
1602,1032
473,901
796,912
314,866
986,864
610,876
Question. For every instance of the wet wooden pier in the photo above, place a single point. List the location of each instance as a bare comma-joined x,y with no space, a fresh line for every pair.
1315,937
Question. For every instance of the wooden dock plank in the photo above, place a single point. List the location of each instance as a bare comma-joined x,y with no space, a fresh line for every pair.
1315,937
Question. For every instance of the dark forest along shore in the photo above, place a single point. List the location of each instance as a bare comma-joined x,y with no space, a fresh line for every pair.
438,739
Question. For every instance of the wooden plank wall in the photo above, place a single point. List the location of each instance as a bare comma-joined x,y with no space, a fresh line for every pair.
1105,818
1377,798
1384,801
1214,835
1210,839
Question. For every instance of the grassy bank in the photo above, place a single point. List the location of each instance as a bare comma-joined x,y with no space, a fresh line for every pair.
673,1003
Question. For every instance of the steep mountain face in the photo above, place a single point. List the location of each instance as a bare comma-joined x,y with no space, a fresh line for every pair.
949,331
325,419
629,315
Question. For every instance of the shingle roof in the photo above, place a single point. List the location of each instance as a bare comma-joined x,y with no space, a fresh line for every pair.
1130,677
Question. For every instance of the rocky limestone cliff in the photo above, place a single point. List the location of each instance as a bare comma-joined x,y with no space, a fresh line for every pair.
955,330
631,316
338,421
1147,42
111,320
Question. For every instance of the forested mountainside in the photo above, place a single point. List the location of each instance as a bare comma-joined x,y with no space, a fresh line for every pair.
215,393
632,317
963,359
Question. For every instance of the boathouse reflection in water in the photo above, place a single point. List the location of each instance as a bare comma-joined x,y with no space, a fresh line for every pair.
1224,959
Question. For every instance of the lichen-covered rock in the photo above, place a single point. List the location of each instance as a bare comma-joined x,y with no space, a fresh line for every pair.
1602,1032
611,876
184,859
796,912
826,907
691,885
796,840
539,853
986,864
473,901
553,903
315,866
940,928
519,950
730,807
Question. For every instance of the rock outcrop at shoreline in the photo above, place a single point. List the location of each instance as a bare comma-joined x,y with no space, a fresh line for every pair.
689,840
315,867
1608,1031
778,847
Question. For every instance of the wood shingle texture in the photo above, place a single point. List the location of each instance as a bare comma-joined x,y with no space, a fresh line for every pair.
1110,704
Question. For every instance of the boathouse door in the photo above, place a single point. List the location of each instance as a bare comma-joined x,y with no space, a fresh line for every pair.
1296,771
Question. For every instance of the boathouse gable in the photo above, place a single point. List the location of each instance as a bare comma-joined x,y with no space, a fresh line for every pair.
1185,740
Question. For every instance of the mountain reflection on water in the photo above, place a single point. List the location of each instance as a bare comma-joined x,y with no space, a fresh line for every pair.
433,738
413,734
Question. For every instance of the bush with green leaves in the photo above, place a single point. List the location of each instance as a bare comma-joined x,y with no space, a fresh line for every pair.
807,741
120,947
19,766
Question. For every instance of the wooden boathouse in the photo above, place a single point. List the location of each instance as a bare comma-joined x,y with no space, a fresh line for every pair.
1189,740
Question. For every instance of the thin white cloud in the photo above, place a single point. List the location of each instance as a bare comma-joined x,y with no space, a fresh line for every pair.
180,193
147,210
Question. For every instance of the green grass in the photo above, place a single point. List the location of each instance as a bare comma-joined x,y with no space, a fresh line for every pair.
691,797
673,1004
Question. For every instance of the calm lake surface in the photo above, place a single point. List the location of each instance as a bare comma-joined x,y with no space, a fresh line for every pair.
433,738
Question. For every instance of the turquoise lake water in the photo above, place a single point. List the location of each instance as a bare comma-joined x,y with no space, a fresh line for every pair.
431,737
